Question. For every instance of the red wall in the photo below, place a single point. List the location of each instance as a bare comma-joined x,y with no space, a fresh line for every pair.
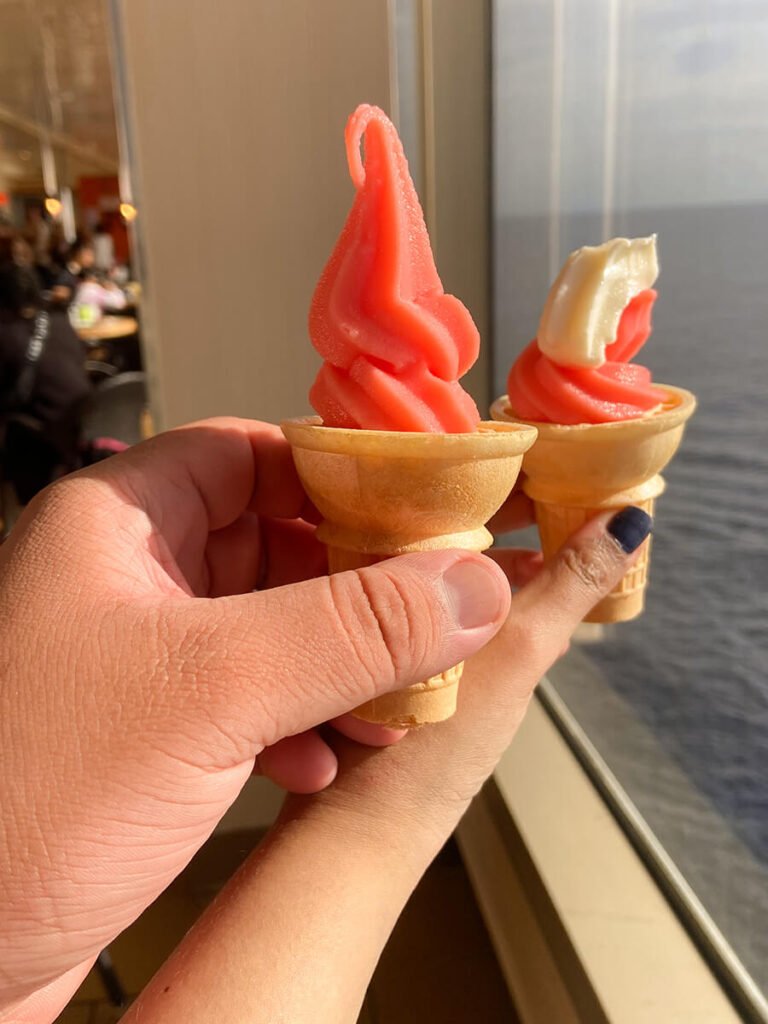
99,200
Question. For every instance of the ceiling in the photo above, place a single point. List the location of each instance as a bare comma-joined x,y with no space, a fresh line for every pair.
55,90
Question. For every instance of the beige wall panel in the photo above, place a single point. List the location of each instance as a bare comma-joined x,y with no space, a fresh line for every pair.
238,110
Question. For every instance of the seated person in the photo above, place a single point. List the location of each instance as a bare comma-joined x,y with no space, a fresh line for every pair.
44,387
104,294
80,258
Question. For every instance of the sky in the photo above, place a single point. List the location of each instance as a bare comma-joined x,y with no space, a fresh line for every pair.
684,123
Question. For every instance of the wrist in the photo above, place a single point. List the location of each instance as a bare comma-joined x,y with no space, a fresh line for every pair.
46,1003
297,932
383,847
396,836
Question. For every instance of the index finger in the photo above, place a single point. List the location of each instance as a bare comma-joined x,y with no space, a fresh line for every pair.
226,465
514,514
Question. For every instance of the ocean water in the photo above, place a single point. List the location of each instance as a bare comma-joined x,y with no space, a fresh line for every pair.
694,668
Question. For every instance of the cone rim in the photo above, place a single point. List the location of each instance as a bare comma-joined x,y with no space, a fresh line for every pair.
678,407
492,439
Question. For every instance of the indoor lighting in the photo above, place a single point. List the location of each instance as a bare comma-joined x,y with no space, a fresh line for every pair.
128,211
53,206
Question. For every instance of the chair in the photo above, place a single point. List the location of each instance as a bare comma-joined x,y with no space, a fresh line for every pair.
115,408
98,371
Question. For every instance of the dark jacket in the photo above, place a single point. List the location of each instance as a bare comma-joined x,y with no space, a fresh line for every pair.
42,436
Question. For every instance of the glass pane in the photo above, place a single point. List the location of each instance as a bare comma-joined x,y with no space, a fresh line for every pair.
628,117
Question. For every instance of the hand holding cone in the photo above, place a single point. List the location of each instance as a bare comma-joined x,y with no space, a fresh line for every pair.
386,493
574,472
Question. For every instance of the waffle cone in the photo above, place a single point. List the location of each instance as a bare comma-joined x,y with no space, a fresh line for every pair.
385,493
574,472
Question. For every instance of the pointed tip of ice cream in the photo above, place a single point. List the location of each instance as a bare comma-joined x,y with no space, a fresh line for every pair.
584,306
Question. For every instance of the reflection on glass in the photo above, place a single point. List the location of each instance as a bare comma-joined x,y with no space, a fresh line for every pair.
628,118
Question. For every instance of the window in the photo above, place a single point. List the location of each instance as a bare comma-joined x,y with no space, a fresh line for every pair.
628,117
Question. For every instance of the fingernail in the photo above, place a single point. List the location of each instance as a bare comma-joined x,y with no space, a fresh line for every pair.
474,593
630,527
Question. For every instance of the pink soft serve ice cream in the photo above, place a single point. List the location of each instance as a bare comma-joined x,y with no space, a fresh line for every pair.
394,344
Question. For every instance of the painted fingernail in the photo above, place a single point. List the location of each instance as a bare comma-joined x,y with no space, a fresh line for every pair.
474,592
630,527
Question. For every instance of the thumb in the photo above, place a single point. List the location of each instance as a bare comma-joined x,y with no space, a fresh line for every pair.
271,664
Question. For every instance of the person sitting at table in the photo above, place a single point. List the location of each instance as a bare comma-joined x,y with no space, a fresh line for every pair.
38,234
95,290
79,259
44,386
103,247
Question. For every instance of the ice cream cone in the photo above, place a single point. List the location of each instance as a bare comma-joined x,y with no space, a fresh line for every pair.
574,472
384,493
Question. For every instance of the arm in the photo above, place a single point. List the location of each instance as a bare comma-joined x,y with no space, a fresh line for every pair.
142,676
131,586
296,934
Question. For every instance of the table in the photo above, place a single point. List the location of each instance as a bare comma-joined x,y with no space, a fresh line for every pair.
109,328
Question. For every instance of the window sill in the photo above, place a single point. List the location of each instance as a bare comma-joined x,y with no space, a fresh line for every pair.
580,928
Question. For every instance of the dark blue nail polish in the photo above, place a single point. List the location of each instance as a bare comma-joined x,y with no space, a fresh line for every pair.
630,527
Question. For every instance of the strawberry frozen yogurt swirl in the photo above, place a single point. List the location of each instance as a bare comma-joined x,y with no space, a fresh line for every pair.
394,344
545,391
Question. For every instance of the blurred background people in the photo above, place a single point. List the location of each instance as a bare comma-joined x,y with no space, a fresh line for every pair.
103,248
38,234
99,291
44,386
79,259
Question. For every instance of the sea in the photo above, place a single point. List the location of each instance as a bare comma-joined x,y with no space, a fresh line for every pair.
686,685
